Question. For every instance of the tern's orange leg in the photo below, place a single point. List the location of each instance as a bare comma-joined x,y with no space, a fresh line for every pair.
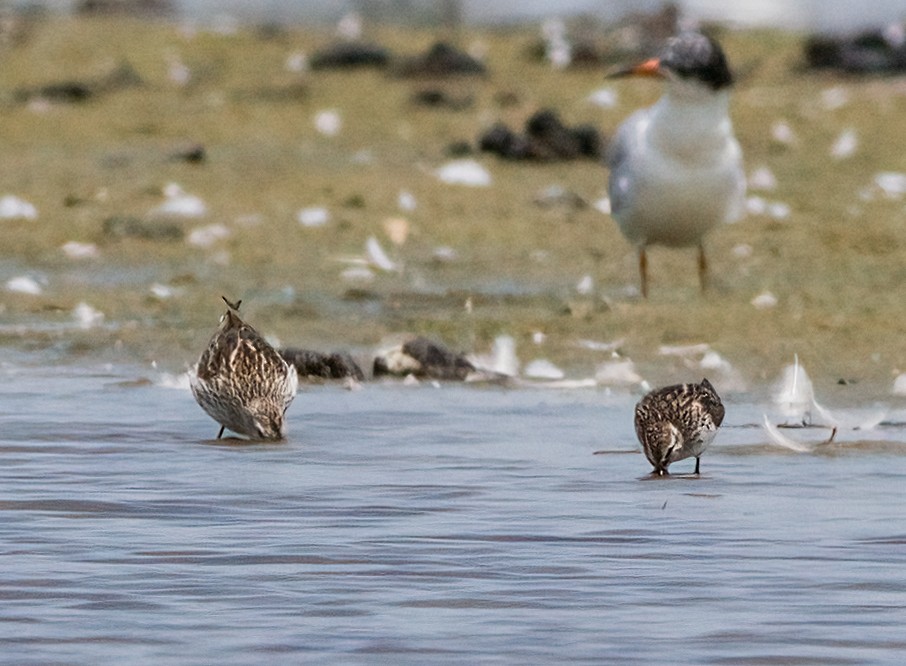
643,270
702,267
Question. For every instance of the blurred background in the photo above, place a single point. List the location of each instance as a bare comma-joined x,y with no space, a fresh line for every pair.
794,14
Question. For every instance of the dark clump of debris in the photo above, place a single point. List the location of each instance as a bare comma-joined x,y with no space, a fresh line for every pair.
193,153
315,365
123,76
546,139
877,51
437,98
421,357
350,55
122,226
140,8
440,61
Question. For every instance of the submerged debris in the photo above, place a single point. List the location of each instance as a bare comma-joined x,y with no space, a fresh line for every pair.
320,365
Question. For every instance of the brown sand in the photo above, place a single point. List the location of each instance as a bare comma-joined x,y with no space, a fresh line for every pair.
835,264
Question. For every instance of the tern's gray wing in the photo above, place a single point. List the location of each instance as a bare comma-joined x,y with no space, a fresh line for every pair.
619,157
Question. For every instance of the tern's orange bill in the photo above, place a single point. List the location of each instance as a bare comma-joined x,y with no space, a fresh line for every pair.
651,67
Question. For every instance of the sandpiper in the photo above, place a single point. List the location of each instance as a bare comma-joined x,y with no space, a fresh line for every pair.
677,422
676,168
242,382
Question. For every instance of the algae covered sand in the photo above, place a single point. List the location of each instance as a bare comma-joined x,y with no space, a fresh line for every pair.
823,248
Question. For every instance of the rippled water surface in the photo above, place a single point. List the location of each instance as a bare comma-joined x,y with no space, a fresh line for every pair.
423,524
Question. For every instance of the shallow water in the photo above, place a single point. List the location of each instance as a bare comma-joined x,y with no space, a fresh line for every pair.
422,524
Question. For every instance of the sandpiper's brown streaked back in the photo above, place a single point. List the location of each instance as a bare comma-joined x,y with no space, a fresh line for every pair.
677,422
676,168
242,382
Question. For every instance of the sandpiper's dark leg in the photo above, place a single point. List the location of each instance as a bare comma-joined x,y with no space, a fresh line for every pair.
643,270
220,434
697,461
702,267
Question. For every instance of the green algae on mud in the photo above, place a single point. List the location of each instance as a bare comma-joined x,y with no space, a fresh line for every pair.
834,264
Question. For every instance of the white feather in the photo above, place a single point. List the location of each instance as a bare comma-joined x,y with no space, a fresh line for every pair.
782,440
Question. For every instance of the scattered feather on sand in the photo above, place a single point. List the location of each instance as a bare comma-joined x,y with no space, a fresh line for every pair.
603,98
177,71
777,210
899,384
162,291
178,203
782,133
445,254
360,274
701,358
763,179
619,371
328,122
466,172
892,184
86,316
845,145
24,284
14,208
697,349
314,216
78,250
764,301
586,285
296,62
377,257
208,235
602,205
502,358
349,27
597,346
543,369
180,382
406,201
834,98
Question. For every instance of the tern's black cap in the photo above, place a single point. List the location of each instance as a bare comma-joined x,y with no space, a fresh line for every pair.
692,55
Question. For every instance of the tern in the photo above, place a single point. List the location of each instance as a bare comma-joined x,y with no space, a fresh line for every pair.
676,167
